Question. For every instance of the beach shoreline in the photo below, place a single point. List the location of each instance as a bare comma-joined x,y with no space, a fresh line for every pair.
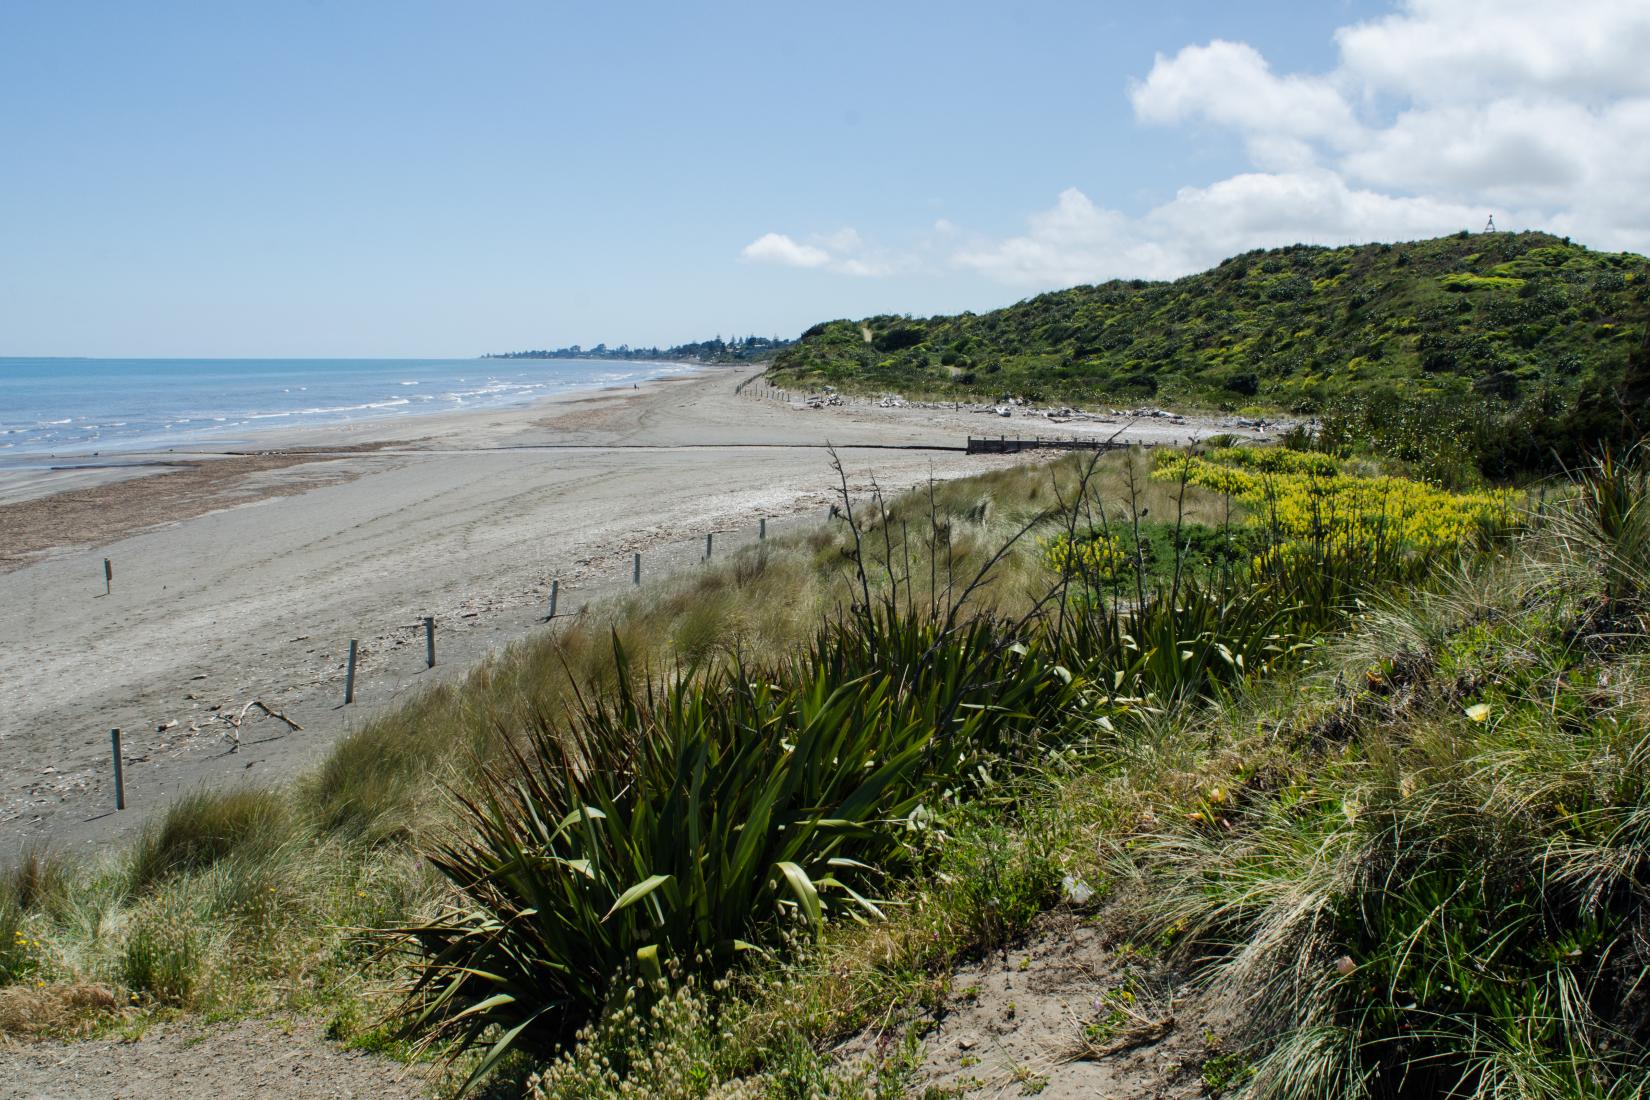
32,474
90,499
234,583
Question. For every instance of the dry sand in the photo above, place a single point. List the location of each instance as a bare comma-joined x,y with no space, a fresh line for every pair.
244,577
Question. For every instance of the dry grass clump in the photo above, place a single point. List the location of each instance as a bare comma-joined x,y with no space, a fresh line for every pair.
62,1009
374,785
37,879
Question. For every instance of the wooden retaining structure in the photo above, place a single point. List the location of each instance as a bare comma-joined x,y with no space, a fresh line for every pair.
1003,445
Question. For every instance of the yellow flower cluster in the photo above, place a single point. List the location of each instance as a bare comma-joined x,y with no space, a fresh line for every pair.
1098,555
1305,497
1275,460
23,959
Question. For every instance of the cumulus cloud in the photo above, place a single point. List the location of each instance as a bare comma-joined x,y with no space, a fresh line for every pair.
1230,84
1066,244
1077,241
1429,119
1455,50
777,248
1521,146
1432,117
843,252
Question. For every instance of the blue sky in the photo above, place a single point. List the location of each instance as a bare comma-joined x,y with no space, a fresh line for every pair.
313,179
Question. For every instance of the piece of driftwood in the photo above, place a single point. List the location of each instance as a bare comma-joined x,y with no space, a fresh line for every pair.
235,722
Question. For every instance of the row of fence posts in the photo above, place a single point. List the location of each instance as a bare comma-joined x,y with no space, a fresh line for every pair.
766,392
774,393
428,624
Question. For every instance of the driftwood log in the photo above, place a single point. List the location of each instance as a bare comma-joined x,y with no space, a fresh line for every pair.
235,722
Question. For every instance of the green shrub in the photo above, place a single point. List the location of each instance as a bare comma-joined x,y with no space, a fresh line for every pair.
998,875
1459,281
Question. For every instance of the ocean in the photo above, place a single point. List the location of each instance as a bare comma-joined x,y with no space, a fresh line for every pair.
78,406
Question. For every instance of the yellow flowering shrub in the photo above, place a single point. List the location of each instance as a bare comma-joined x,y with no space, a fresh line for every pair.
1304,497
1097,555
1275,460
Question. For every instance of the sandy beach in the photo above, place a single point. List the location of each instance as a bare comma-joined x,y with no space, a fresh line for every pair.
244,576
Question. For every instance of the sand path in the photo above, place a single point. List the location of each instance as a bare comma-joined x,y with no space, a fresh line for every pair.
268,1059
257,592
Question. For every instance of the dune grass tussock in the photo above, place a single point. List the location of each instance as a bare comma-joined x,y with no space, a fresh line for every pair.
199,830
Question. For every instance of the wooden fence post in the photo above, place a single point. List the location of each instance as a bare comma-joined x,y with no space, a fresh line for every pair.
120,778
349,676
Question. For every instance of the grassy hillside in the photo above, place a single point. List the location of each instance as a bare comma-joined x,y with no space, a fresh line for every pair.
1507,322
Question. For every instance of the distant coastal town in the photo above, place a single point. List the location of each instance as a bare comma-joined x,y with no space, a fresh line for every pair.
739,349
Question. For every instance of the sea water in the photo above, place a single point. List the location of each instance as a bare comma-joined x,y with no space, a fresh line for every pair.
79,406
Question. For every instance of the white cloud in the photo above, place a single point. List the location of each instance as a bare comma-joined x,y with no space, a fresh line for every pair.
777,248
1453,50
1065,244
1258,209
1434,117
1230,84
1077,241
1431,118
843,240
844,252
1538,148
